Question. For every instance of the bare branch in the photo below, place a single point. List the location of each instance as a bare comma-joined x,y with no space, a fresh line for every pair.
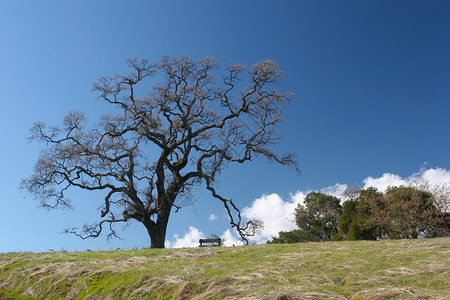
183,132
94,230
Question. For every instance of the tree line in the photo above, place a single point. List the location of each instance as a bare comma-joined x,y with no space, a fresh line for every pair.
404,212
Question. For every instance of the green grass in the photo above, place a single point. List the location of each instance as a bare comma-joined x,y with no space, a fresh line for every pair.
397,269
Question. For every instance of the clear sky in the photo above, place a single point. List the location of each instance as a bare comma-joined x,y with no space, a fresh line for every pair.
371,78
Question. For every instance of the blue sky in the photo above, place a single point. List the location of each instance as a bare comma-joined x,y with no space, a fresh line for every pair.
371,80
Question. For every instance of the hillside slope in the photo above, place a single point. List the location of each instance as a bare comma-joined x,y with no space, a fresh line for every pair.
409,269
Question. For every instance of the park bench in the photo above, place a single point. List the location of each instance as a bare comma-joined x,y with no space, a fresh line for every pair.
209,242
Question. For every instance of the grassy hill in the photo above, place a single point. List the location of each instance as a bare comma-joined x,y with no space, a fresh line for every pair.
399,269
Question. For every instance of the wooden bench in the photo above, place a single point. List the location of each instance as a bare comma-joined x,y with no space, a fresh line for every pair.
209,242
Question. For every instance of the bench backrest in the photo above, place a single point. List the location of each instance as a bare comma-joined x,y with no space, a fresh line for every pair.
213,242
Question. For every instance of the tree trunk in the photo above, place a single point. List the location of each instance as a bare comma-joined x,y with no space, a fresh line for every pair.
156,240
157,231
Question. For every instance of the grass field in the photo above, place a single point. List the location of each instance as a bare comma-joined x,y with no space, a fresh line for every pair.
397,269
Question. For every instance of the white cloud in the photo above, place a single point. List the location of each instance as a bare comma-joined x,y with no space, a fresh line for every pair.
212,217
190,239
336,190
438,176
385,181
277,215
229,240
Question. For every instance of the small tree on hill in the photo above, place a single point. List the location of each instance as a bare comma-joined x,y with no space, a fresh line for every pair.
319,216
294,236
157,146
399,213
407,212
356,211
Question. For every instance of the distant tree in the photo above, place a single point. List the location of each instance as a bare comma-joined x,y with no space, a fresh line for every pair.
399,213
353,221
407,212
440,192
441,200
319,216
294,236
159,145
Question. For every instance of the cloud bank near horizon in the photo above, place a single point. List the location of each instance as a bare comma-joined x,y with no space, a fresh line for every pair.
278,214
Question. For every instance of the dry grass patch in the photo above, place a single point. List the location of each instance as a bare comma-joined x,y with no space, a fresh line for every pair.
413,269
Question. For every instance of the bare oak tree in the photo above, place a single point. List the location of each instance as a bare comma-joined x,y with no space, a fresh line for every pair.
158,146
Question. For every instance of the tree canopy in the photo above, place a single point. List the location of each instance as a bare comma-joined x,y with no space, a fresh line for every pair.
319,216
407,212
356,212
193,122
